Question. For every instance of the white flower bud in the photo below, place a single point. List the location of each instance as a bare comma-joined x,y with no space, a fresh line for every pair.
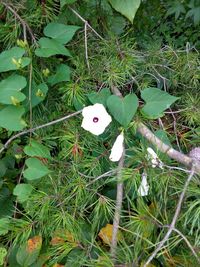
117,149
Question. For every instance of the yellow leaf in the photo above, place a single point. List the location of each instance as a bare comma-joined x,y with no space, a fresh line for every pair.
106,234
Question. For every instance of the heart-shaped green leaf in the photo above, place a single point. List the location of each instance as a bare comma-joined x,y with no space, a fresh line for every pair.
36,149
10,118
36,169
123,109
128,8
100,97
156,102
60,32
22,191
62,74
12,59
50,47
38,94
10,89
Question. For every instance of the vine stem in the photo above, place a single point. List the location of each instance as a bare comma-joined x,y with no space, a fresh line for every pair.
31,130
174,220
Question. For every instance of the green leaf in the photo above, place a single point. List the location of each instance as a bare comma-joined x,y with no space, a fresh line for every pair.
60,32
62,74
123,109
162,135
22,191
10,89
3,253
9,57
128,8
195,13
156,102
176,8
100,97
28,253
2,168
36,149
50,47
10,118
38,94
66,2
36,169
4,226
6,203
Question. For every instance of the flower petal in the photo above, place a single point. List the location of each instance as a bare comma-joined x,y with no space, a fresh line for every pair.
117,149
144,187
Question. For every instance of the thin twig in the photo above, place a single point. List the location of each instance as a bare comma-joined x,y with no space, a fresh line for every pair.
118,206
37,128
186,241
30,98
85,21
23,22
173,223
106,174
175,130
86,46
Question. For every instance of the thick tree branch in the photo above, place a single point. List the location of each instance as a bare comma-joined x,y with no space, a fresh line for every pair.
172,153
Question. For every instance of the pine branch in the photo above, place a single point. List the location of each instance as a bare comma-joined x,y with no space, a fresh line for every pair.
174,220
37,128
23,22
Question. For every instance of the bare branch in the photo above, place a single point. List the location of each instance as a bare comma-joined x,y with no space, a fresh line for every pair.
186,241
85,21
118,207
86,46
173,223
37,128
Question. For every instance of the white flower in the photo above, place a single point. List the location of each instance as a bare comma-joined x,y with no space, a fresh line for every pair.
95,119
144,187
155,161
117,149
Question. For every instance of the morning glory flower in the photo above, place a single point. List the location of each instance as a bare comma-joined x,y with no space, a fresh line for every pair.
155,161
117,149
95,119
144,187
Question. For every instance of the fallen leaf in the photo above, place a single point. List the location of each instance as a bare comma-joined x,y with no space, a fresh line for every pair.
106,234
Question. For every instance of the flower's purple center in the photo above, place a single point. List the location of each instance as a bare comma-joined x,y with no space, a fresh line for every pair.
95,119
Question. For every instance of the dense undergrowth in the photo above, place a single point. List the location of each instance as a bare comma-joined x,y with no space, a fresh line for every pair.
57,219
